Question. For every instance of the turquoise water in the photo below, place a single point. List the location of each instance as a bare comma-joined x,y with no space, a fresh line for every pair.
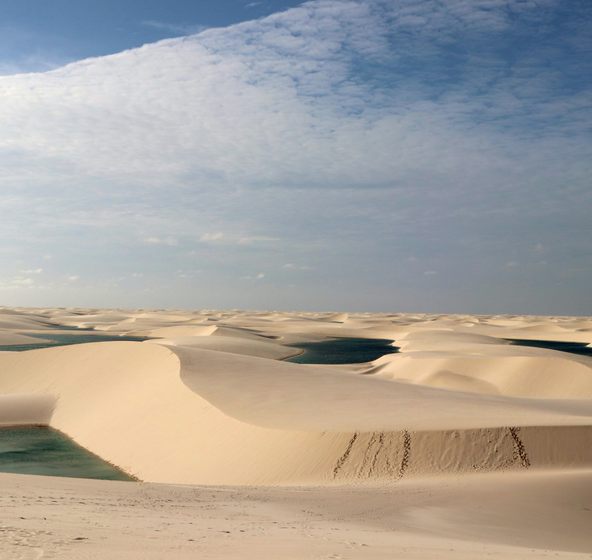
343,351
44,451
580,348
65,339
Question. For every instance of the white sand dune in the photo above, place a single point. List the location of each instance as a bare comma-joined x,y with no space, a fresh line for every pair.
485,364
244,346
204,416
18,409
177,331
211,401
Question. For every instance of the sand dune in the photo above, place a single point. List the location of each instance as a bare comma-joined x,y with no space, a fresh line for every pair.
485,364
18,409
210,400
224,410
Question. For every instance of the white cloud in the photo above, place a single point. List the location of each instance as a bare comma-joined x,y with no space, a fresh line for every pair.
17,282
187,274
175,28
235,239
267,102
208,237
168,241
259,276
353,133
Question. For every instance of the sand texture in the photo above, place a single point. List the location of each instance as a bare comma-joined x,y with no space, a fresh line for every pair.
461,438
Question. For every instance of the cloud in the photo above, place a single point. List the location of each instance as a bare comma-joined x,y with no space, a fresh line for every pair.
168,241
235,239
208,237
275,101
259,276
17,282
26,282
349,133
175,28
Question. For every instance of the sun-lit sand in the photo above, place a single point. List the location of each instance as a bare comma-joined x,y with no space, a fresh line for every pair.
461,445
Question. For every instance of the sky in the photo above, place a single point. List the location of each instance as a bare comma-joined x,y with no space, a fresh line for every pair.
375,155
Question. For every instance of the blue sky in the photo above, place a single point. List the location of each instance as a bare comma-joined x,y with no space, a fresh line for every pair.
408,155
37,35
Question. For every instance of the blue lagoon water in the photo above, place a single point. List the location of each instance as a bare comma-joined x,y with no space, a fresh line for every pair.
44,451
51,339
580,348
343,351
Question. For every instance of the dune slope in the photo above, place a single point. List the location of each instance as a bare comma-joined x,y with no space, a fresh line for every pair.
188,415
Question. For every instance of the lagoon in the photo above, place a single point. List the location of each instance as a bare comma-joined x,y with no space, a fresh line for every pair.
45,451
343,351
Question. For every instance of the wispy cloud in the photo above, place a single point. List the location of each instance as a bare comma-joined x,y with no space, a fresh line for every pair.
235,239
175,28
212,237
168,241
292,266
259,276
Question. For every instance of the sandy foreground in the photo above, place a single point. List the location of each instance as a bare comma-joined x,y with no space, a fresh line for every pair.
460,445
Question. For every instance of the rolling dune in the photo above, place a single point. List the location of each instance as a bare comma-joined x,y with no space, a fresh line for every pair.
223,410
460,445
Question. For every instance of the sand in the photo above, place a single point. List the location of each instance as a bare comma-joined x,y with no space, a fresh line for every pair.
461,444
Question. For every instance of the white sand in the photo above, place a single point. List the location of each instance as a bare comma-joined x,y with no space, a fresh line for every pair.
211,403
539,515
